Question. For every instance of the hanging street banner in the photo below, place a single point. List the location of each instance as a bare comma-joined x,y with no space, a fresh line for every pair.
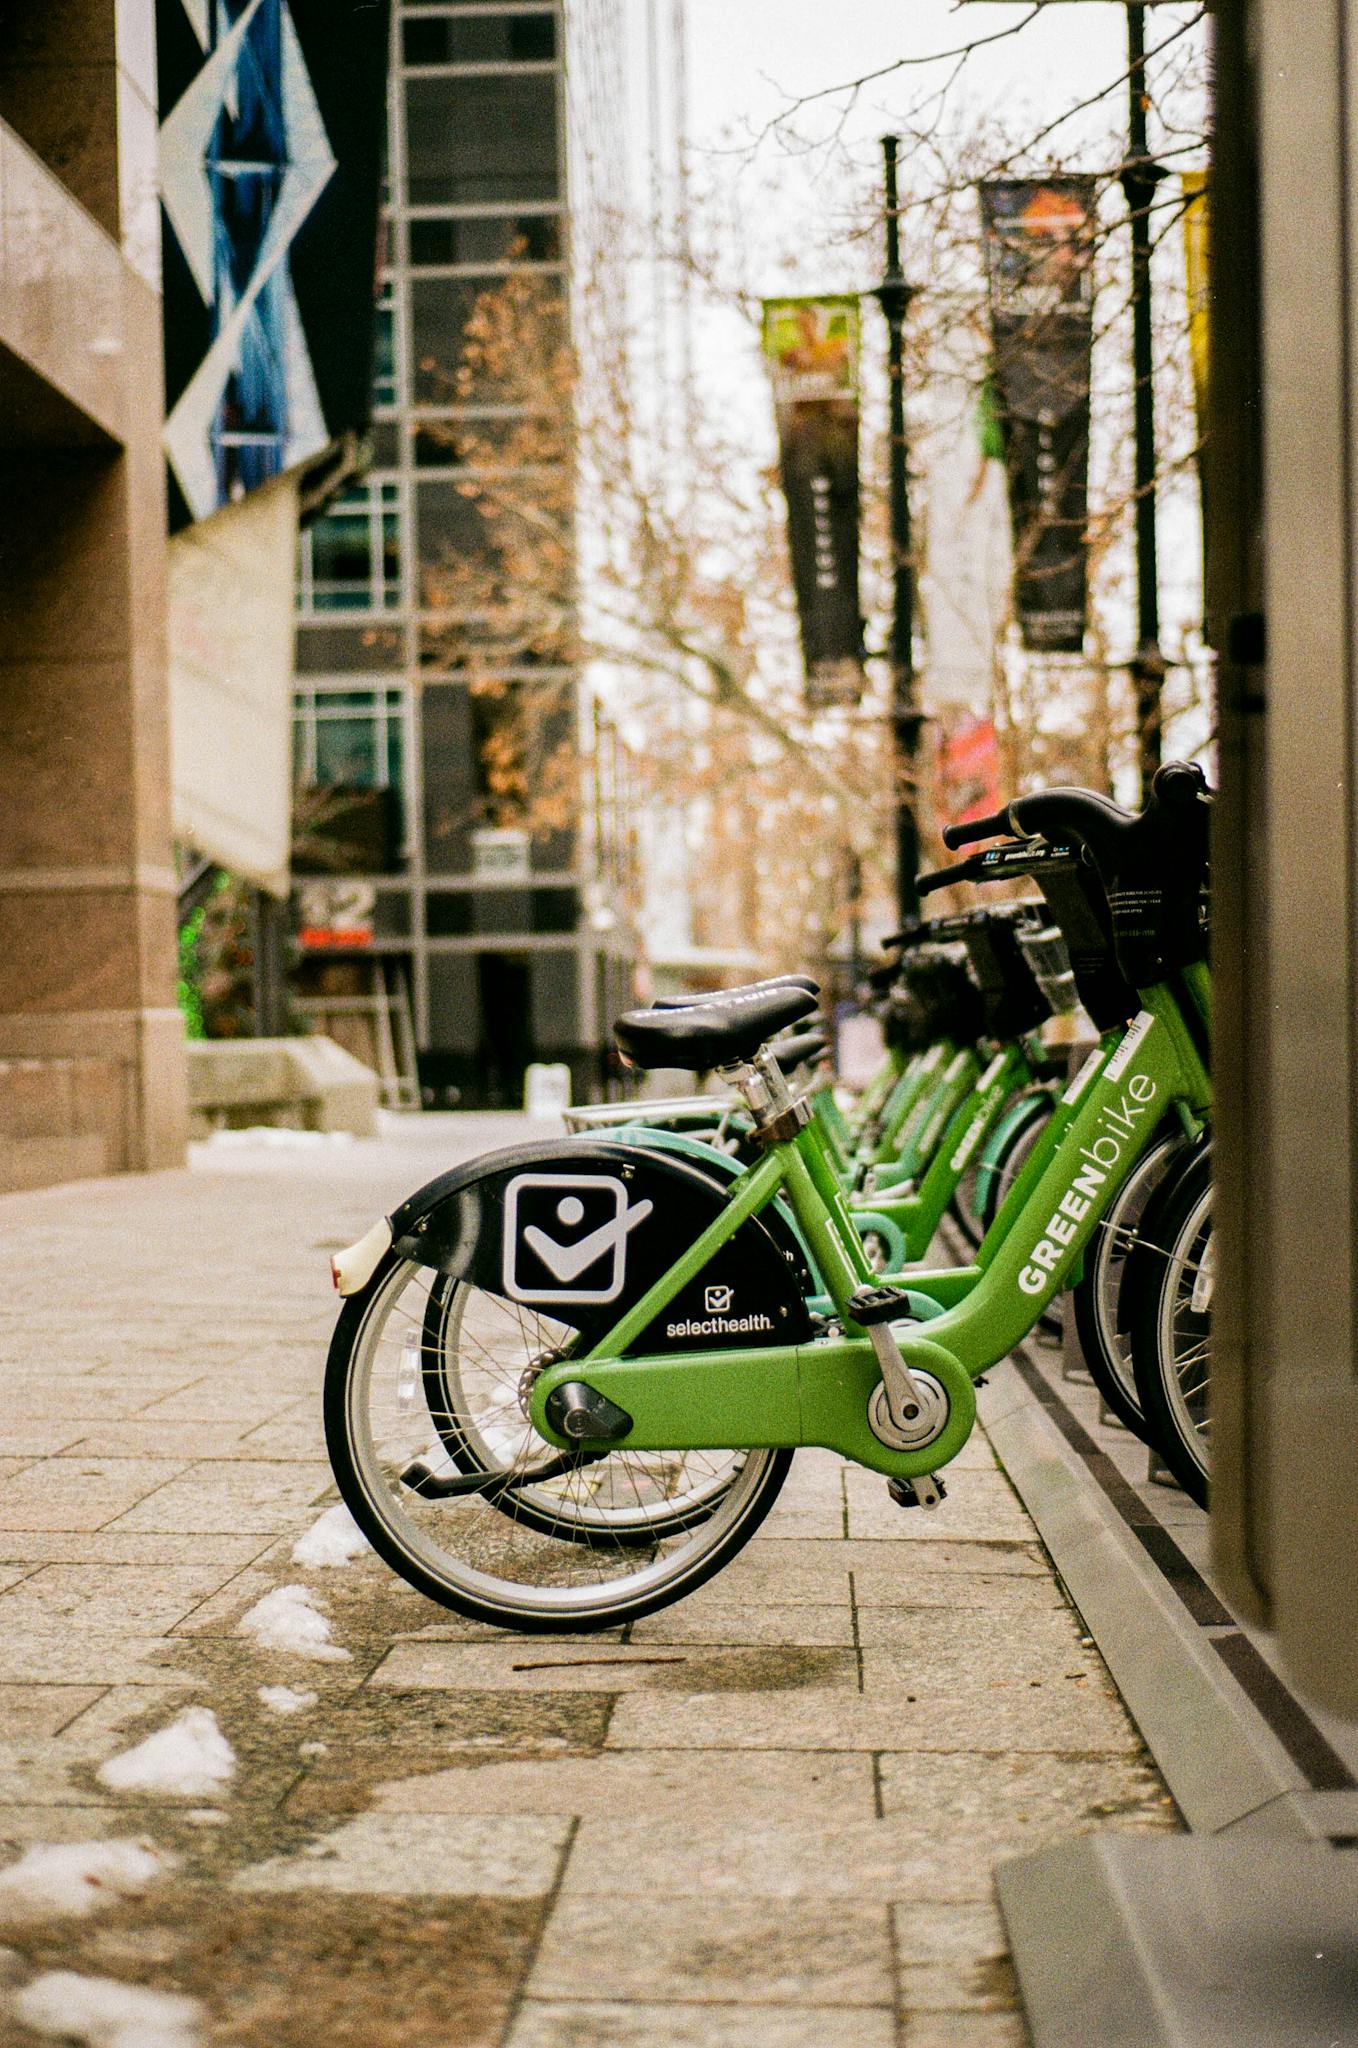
1197,260
1197,264
968,771
1038,235
812,349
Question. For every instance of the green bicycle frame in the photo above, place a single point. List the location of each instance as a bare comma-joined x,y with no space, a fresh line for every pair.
918,1212
873,1099
819,1393
923,1131
905,1107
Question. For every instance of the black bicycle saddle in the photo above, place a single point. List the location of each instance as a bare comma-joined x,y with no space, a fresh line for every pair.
719,1031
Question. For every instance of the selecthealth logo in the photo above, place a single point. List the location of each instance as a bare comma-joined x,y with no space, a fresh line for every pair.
718,1322
565,1237
1121,1122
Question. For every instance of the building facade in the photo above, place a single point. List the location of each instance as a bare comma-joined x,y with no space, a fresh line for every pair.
492,927
91,1042
272,114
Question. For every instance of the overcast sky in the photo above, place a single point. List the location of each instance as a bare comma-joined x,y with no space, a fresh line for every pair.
749,60
748,57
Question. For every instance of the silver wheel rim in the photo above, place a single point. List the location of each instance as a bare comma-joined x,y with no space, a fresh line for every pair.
1186,1367
518,1443
409,1521
1114,1240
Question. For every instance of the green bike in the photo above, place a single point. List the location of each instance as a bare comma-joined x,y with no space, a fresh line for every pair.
633,1344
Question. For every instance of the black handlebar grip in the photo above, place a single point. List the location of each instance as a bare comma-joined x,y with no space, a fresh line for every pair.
1179,782
964,871
972,829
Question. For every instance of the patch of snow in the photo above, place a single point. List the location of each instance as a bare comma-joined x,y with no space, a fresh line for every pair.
78,1877
285,1699
335,1539
289,1619
100,2012
313,1749
281,1136
188,1759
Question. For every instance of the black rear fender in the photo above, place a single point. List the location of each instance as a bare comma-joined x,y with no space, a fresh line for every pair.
580,1231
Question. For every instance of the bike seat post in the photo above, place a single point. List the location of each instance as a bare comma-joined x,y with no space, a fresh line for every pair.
763,1084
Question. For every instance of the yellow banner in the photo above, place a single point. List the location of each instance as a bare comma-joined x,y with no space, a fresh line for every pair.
1197,258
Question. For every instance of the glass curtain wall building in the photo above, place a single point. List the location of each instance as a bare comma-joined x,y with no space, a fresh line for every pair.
500,927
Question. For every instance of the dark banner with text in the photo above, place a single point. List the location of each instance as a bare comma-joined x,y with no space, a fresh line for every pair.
812,348
1039,243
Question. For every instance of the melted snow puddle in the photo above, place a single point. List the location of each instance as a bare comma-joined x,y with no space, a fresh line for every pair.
188,1759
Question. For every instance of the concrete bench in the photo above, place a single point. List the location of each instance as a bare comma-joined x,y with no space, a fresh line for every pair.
302,1084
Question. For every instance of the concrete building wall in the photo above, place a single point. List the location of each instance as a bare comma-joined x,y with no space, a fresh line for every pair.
1283,603
91,1042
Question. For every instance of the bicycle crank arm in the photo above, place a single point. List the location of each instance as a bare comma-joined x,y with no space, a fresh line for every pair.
826,1393
431,1485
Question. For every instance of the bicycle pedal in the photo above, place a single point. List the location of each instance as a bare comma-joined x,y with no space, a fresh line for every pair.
902,1491
879,1305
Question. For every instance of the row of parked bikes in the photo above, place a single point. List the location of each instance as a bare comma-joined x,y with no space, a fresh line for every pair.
568,1380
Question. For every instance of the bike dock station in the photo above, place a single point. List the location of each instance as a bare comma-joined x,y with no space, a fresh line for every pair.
1267,1784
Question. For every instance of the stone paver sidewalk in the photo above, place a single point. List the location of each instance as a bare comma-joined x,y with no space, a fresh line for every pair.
765,1817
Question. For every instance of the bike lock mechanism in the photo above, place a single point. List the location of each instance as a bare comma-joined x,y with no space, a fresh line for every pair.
777,1116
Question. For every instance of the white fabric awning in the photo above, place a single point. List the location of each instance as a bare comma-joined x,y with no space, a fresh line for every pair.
231,631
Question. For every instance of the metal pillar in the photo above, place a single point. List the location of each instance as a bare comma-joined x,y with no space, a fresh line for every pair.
893,296
1139,178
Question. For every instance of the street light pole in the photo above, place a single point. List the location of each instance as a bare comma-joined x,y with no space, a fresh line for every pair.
1139,178
893,296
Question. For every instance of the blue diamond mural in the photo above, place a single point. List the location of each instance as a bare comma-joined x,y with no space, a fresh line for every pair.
255,171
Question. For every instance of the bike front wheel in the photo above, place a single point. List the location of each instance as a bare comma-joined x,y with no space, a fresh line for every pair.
1101,1307
426,1424
1171,1323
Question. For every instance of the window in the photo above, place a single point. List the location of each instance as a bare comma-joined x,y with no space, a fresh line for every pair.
470,436
350,558
480,140
452,525
440,309
386,390
487,238
345,738
487,39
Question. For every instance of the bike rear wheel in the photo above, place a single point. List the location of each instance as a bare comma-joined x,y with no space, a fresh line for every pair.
447,1479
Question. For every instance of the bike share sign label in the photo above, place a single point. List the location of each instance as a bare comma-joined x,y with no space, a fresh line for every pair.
565,1237
1120,1123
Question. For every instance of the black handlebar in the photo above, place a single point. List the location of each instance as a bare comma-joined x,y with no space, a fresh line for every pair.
971,829
962,871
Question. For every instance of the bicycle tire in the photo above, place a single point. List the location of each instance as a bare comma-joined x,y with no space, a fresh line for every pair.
500,1574
1098,1301
1170,1322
